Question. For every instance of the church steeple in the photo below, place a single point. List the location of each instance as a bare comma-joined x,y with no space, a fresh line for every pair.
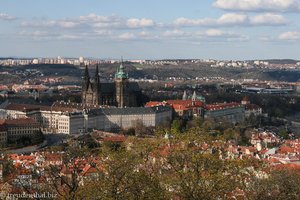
86,73
97,88
97,73
121,83
120,72
97,80
194,97
86,78
184,96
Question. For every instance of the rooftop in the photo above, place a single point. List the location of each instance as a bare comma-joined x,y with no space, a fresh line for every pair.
222,106
135,110
23,121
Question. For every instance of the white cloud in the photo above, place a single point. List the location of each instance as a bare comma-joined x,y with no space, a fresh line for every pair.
51,24
139,23
4,16
222,35
235,19
259,5
207,35
174,33
232,18
268,19
92,21
194,22
147,35
289,36
112,27
38,34
126,36
214,33
226,19
93,18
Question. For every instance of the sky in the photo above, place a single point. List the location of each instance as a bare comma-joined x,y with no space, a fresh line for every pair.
151,29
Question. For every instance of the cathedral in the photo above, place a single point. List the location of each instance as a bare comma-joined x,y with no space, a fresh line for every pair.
120,93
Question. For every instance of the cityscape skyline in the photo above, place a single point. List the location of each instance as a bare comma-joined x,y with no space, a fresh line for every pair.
219,29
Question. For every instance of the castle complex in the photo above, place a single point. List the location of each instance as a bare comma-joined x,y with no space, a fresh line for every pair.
108,106
120,93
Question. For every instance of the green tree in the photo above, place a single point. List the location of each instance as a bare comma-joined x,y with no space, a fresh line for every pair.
231,134
195,122
279,185
176,126
283,133
191,173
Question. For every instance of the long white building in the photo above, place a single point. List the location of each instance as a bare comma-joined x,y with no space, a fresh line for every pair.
68,118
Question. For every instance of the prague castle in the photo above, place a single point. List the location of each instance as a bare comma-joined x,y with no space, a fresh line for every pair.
120,93
108,106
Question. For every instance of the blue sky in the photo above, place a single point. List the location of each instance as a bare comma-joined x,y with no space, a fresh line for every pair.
156,29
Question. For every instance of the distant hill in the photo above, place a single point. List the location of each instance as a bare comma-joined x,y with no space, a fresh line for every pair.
282,61
74,73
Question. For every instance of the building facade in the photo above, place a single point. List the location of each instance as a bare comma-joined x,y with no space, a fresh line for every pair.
120,93
17,129
251,109
232,112
72,118
190,107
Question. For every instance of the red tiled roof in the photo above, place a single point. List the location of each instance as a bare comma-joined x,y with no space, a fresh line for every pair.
177,104
285,150
222,106
153,103
57,106
295,167
22,107
22,121
119,138
53,157
186,103
89,169
273,160
179,107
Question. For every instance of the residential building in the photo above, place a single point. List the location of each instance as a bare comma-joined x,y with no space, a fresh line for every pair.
186,109
233,112
182,108
251,109
19,129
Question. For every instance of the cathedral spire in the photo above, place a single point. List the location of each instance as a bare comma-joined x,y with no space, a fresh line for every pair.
97,79
86,73
120,71
97,72
184,96
194,97
86,78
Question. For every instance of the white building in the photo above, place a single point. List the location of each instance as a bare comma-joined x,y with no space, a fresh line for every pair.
70,118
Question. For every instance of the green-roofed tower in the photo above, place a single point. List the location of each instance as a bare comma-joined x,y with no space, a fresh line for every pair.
121,81
121,73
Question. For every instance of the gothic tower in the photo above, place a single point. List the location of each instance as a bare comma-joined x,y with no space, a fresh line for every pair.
121,83
97,88
91,91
